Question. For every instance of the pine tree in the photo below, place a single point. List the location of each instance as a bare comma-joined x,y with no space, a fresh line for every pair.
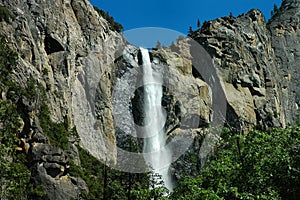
190,30
198,23
275,8
158,45
274,11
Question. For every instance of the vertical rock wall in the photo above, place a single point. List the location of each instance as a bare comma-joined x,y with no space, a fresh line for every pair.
285,39
257,64
65,46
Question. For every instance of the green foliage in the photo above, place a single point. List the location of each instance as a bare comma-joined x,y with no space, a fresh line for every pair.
158,45
9,126
155,190
57,133
91,171
5,14
190,30
9,122
14,174
274,13
14,179
45,71
106,183
191,188
8,58
259,165
198,23
115,26
31,90
36,191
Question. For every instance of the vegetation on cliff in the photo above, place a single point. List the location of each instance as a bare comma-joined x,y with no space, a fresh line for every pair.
115,26
14,173
107,183
275,12
5,15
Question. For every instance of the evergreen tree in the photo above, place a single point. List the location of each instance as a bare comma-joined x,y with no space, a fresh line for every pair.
115,26
158,45
190,30
198,23
274,11
275,8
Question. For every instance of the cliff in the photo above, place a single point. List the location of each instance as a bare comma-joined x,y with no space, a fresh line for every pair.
59,44
257,63
77,76
284,32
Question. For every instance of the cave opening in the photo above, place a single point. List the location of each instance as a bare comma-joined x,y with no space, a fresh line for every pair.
52,45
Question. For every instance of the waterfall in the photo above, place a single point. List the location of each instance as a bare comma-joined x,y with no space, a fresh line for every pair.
156,155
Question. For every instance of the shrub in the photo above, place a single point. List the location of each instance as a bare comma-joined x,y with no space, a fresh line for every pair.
57,133
5,14
8,59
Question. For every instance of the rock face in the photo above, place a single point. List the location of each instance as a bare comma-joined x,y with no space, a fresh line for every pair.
186,100
256,65
65,46
241,48
84,67
285,37
49,166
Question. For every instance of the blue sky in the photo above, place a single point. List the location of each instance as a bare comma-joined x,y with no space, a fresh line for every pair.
174,17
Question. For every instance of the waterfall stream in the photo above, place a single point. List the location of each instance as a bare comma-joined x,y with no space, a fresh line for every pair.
156,155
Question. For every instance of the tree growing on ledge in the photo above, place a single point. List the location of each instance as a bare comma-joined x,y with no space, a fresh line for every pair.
198,23
190,30
274,11
115,26
158,45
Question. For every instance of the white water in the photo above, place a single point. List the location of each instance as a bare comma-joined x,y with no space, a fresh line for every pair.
155,152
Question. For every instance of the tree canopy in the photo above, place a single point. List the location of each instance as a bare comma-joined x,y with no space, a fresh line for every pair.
267,167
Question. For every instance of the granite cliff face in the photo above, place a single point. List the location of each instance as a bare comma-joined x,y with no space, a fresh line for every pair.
74,55
257,63
61,44
285,37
